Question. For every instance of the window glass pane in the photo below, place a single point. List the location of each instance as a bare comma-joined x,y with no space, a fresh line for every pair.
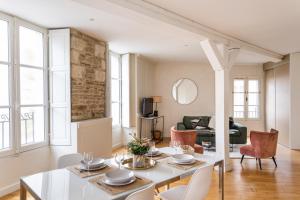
115,66
115,90
115,113
253,99
239,99
238,111
239,85
253,112
253,86
31,47
4,128
4,94
3,40
32,125
31,86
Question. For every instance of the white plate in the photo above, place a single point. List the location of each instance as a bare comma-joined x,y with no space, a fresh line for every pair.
95,163
185,163
153,153
183,158
107,182
119,175
85,168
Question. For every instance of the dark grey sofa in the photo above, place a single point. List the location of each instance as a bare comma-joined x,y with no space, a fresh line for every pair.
237,132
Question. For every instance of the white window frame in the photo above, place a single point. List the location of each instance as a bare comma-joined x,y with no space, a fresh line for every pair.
120,86
14,88
246,81
11,84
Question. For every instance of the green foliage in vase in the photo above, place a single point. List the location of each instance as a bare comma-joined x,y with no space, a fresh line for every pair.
138,146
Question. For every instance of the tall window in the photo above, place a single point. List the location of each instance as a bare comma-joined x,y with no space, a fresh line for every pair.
246,96
5,72
115,66
23,89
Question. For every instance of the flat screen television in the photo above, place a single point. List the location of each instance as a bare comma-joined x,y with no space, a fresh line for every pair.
147,107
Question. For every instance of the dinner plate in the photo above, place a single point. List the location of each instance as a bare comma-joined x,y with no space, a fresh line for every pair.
153,153
95,163
119,176
185,163
183,158
85,168
107,182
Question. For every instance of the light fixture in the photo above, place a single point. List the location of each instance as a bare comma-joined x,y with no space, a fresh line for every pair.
156,99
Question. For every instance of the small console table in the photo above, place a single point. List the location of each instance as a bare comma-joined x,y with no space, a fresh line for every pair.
153,120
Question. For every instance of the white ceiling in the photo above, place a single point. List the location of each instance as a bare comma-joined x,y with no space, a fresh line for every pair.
264,23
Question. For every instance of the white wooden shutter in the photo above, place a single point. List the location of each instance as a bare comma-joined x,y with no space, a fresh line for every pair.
60,103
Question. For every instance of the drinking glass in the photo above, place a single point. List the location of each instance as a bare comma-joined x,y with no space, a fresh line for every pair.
119,159
88,159
175,145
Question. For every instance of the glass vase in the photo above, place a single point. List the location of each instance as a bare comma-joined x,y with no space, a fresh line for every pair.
139,161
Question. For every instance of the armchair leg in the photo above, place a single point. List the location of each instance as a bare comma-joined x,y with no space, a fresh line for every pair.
274,161
242,158
259,161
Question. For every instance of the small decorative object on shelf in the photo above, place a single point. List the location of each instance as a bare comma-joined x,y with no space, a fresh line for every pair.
138,147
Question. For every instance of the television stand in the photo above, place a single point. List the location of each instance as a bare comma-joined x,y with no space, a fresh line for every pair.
154,131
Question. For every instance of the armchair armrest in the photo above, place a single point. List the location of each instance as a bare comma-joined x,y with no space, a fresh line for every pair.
180,126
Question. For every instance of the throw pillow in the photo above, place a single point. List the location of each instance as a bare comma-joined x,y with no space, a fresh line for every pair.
231,123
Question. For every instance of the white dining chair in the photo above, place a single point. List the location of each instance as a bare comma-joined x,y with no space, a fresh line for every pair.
68,160
197,188
144,194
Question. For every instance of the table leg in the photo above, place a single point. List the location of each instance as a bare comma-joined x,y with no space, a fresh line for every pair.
23,192
221,180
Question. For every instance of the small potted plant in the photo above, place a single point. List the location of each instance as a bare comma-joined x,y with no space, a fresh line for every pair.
138,148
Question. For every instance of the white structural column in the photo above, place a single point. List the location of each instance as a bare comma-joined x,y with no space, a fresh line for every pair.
221,61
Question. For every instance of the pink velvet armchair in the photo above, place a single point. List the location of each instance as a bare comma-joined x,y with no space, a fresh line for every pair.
263,145
186,137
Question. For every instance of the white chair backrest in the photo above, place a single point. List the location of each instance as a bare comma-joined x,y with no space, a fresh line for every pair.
199,184
144,194
68,160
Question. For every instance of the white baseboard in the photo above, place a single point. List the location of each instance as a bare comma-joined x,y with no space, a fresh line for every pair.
9,189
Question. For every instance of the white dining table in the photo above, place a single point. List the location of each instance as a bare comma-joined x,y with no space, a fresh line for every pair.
62,184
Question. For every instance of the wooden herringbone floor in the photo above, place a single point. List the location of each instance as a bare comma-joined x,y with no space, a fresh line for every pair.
247,182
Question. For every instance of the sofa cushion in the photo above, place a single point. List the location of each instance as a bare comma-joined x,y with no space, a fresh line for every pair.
203,121
234,132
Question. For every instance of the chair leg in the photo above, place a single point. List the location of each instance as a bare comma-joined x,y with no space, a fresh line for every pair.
274,161
259,161
242,158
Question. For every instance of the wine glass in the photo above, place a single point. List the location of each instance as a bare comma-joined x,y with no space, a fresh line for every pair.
119,159
175,145
88,159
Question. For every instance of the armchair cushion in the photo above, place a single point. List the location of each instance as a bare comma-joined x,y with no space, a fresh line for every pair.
247,150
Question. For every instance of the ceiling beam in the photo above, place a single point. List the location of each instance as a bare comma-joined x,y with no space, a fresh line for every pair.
151,10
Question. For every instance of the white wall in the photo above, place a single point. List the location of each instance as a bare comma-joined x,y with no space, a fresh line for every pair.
251,71
144,87
166,74
294,100
26,163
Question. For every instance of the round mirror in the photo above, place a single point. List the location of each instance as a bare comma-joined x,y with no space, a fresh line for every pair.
184,91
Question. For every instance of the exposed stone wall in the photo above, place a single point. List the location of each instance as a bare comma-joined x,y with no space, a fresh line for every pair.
88,69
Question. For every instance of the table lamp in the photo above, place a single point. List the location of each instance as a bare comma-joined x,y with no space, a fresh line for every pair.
156,99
